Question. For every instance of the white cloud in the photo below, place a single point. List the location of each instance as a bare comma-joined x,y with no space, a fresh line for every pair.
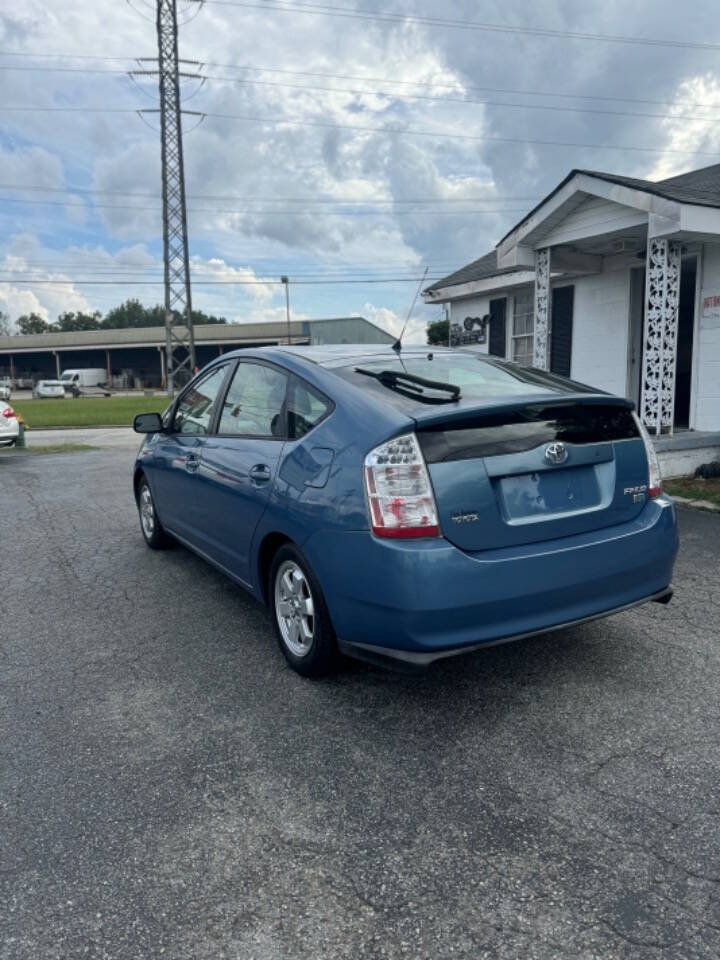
248,282
685,135
240,238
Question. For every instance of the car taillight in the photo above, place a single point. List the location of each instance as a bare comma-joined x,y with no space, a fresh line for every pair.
8,412
654,472
400,497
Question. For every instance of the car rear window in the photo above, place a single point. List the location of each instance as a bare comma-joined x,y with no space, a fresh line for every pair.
478,378
513,432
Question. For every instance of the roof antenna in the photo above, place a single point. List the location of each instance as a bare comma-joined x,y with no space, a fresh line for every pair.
397,346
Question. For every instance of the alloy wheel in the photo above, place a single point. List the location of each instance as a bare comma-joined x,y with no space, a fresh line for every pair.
294,608
147,512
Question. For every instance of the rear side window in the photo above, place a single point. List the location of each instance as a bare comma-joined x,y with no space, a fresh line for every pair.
306,408
254,402
525,429
195,409
477,378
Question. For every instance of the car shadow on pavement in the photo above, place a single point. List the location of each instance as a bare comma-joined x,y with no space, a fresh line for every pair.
605,651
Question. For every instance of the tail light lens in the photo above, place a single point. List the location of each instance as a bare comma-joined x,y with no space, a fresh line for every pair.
654,472
8,412
400,497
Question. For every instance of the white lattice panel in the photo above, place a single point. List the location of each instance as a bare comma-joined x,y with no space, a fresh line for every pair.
662,297
542,309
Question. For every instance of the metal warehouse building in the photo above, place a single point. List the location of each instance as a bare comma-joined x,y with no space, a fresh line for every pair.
135,356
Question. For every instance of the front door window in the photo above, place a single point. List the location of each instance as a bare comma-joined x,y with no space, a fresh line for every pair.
195,409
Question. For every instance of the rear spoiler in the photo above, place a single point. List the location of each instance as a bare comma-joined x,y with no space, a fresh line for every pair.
493,407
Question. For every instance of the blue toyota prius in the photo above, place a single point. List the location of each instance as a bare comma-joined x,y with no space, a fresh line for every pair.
407,505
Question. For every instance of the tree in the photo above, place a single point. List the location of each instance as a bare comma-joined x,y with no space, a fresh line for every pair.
200,317
33,323
133,314
79,321
129,314
5,328
437,332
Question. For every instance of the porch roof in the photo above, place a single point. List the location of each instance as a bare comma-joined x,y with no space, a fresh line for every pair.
485,266
699,187
513,253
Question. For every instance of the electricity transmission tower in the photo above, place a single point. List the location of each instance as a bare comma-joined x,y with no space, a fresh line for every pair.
179,339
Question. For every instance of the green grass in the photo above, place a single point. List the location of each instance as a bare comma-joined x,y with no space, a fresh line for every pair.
695,488
86,411
61,448
48,448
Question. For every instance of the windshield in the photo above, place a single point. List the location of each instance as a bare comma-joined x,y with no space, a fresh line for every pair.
66,376
477,377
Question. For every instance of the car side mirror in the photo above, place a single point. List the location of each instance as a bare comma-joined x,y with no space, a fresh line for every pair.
148,423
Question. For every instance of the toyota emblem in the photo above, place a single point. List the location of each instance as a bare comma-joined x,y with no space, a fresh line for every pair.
556,453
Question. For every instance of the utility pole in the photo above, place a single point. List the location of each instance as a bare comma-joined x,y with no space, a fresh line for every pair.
179,339
286,282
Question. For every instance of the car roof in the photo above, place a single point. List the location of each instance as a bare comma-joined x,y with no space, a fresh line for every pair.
342,354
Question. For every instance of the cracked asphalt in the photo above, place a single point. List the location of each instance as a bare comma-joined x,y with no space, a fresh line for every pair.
170,789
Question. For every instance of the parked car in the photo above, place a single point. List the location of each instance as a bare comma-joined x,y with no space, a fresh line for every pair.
5,388
9,425
407,506
48,389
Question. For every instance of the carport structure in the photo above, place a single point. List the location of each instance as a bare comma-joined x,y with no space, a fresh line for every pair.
137,354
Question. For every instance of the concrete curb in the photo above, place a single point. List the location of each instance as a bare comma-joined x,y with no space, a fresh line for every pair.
696,504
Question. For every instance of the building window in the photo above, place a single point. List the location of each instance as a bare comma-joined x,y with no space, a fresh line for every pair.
523,325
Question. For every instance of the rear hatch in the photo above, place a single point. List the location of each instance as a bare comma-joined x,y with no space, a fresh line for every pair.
515,455
534,470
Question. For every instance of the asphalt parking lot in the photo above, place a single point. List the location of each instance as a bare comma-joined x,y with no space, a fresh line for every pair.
171,789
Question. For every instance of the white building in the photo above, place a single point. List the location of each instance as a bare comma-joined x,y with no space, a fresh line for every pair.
616,283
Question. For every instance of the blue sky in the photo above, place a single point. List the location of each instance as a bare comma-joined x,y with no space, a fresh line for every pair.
297,187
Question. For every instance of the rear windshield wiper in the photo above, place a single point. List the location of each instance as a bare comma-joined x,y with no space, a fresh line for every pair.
411,386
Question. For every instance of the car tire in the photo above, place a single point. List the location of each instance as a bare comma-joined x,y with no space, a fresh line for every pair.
300,615
154,534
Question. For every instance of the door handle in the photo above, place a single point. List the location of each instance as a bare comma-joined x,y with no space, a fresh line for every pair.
192,462
259,474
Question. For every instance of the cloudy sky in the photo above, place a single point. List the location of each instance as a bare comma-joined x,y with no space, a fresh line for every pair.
349,142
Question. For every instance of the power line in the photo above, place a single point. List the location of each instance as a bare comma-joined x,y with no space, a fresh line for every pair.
448,136
454,87
407,97
122,277
465,100
264,199
282,213
387,131
280,267
359,13
214,283
70,56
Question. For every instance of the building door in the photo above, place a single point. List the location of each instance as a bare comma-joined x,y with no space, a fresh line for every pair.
497,343
686,330
561,330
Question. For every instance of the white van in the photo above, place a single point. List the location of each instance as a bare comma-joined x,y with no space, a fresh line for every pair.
87,377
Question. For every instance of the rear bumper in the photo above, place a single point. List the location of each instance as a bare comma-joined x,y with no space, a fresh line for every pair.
9,436
420,601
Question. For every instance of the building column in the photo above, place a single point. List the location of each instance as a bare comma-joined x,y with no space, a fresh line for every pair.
161,351
57,363
108,368
662,300
12,371
541,335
